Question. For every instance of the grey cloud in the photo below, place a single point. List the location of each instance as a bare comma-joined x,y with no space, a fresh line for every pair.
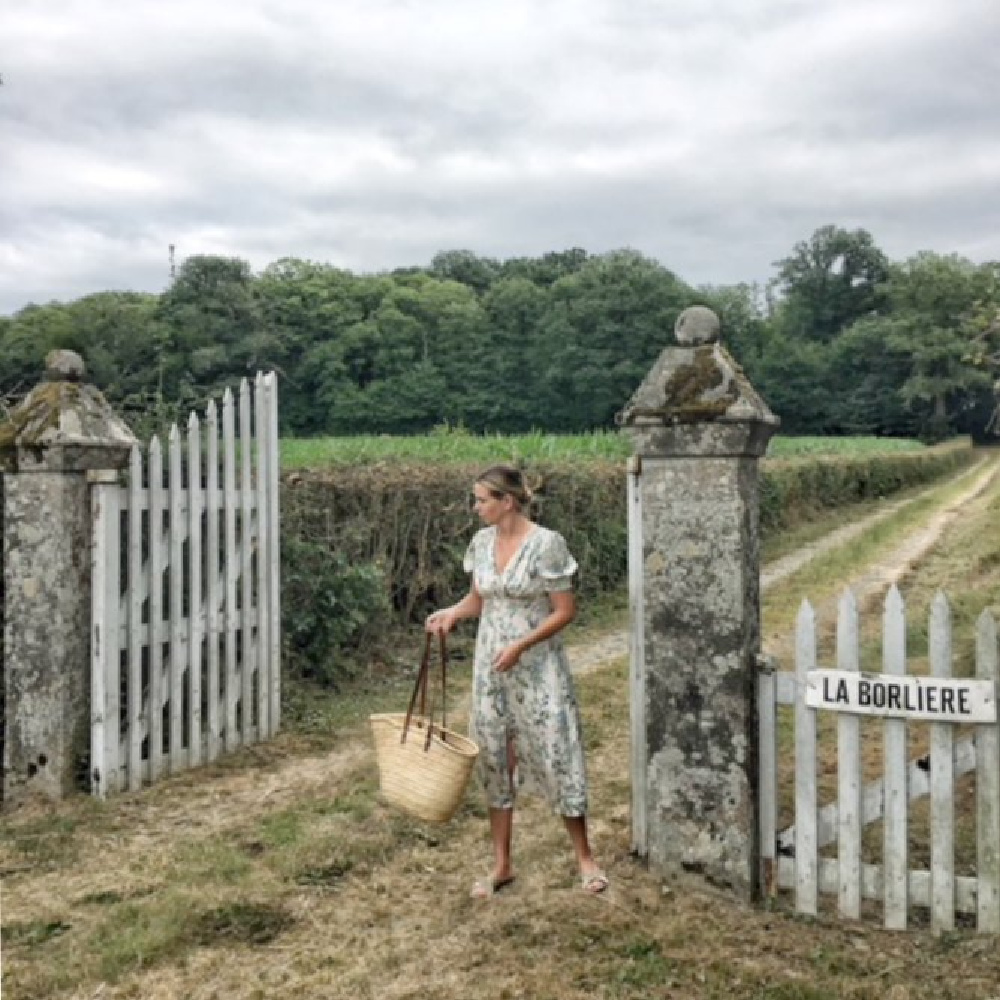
712,136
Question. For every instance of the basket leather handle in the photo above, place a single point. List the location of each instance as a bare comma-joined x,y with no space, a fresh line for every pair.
420,689
444,691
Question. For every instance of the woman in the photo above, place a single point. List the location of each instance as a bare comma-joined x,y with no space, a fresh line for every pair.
524,709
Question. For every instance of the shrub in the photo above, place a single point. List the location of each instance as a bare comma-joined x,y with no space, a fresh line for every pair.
330,606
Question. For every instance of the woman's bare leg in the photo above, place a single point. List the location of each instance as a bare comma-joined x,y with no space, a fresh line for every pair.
576,826
502,835
502,831
502,825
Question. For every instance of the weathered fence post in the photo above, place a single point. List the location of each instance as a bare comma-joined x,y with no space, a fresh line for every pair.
698,429
62,437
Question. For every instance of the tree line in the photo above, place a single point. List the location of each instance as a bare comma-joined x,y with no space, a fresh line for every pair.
841,341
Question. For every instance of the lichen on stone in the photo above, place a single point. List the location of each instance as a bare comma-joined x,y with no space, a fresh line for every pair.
39,412
701,390
62,411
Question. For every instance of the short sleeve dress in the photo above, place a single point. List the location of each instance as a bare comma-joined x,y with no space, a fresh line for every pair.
534,703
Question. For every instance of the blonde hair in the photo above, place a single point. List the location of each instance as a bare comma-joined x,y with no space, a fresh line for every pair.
505,480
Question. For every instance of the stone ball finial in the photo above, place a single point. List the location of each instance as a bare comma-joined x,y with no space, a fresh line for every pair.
64,366
697,325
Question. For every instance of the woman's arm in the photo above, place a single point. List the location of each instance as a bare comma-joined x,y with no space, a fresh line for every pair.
445,620
563,612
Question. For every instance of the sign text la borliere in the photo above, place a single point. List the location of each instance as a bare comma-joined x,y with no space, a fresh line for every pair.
934,699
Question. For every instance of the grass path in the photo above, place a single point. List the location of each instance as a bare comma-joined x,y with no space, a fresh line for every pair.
278,873
779,570
881,552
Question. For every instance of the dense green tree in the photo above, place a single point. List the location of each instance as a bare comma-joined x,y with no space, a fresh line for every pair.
556,342
209,314
789,375
829,281
465,267
933,299
547,269
865,368
511,398
604,326
29,336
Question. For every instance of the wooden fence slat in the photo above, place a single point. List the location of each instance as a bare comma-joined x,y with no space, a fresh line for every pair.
806,854
144,583
114,763
175,601
262,644
942,778
848,768
274,553
231,567
768,778
137,638
156,678
784,687
918,785
246,534
895,860
195,621
98,676
987,789
918,883
104,699
637,652
213,589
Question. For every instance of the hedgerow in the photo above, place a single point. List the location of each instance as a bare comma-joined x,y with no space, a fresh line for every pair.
369,546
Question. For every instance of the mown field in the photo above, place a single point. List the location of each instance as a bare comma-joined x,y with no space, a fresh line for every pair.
451,445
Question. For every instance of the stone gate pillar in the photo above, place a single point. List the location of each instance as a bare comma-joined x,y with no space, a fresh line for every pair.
62,436
698,430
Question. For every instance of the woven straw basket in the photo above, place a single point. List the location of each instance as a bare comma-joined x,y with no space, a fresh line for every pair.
426,778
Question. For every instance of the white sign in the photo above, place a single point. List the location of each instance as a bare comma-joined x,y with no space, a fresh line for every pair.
934,699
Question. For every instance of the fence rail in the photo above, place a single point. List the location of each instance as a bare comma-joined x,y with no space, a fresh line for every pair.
186,603
792,859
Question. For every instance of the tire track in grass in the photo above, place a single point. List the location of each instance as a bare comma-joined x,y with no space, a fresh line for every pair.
876,578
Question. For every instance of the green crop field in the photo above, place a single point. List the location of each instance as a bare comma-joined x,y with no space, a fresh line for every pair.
794,447
457,446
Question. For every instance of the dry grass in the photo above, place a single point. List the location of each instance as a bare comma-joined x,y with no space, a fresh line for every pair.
280,874
244,885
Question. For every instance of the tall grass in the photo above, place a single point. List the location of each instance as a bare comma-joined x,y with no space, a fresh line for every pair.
456,445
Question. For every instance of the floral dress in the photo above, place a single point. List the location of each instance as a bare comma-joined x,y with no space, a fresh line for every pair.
534,702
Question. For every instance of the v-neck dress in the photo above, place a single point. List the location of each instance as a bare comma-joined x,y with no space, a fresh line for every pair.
533,703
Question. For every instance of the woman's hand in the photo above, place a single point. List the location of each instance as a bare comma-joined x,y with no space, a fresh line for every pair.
508,657
441,622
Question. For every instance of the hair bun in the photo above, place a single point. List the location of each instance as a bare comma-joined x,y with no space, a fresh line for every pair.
508,479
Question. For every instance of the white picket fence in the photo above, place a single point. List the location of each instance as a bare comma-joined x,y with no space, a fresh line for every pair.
952,754
186,607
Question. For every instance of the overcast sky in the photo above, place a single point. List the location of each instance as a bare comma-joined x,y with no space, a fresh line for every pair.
711,135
